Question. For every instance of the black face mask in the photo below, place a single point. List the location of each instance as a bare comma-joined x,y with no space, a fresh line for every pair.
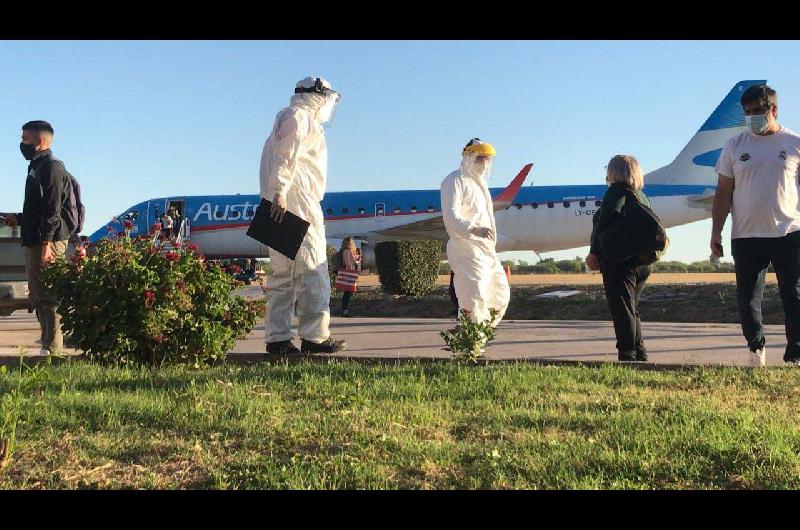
28,151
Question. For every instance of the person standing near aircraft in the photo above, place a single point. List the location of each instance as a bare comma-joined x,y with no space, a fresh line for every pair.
294,167
479,279
44,231
759,172
623,282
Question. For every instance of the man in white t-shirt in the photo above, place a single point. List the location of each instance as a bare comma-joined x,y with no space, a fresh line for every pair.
758,183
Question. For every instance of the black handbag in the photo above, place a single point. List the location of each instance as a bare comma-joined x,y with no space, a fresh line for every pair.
636,234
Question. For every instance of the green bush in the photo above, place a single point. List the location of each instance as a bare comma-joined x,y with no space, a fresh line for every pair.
331,251
128,304
408,267
468,340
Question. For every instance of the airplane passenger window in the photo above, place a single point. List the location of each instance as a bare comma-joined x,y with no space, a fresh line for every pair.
430,208
361,211
566,204
598,203
396,209
582,203
519,206
413,209
345,210
534,205
329,211
549,204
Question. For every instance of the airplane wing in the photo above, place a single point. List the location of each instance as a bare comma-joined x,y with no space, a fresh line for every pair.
433,227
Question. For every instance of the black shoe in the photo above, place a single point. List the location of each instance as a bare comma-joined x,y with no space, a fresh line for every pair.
327,346
623,358
641,356
346,313
284,347
792,359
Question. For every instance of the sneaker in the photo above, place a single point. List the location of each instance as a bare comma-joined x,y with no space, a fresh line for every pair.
758,358
624,358
641,356
327,346
346,313
45,352
284,347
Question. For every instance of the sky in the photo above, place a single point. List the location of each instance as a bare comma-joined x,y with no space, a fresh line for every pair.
140,119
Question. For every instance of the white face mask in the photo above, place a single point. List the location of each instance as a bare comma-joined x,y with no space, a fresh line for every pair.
758,123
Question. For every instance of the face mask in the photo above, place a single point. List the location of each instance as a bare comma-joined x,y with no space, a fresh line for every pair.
28,151
758,123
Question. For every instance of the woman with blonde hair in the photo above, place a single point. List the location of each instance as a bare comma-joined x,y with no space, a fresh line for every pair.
624,281
347,272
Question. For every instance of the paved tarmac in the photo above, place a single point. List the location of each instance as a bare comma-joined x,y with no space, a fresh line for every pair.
547,341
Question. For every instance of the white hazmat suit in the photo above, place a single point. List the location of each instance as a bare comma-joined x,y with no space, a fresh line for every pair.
294,165
479,279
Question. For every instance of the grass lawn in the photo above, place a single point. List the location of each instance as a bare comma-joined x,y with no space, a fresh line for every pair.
348,425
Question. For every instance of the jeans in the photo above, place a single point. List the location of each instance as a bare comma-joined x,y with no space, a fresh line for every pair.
624,285
752,256
346,296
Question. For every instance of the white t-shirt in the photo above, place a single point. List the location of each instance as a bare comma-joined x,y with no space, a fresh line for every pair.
765,171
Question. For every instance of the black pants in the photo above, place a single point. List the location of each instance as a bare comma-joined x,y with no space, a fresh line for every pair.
624,285
453,297
752,256
346,296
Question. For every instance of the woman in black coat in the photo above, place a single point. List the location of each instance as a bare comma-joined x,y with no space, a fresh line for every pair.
623,282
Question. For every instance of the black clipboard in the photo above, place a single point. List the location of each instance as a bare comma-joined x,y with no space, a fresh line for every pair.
285,237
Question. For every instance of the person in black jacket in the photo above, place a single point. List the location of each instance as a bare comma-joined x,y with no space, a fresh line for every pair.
44,232
623,282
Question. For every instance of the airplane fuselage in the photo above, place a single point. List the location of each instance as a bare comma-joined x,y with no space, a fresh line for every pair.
541,218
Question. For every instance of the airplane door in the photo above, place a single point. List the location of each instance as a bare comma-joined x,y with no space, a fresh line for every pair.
380,211
180,206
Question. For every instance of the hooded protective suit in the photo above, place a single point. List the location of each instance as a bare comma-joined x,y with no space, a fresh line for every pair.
479,279
294,164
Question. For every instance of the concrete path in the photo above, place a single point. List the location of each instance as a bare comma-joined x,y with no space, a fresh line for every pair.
552,341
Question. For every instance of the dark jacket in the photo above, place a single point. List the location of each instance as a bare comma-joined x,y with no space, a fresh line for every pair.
611,210
46,190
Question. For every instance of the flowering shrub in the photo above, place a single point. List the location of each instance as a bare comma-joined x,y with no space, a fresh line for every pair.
127,303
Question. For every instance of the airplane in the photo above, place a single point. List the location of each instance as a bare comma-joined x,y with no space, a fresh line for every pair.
537,218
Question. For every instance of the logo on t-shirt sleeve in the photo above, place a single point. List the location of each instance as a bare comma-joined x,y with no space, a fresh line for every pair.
745,157
782,155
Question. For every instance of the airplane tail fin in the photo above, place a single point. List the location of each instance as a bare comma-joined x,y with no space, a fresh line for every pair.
695,163
507,196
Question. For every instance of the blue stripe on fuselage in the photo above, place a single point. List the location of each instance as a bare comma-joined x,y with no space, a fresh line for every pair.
220,210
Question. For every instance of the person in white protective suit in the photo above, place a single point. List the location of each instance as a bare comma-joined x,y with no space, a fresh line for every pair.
479,280
294,166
